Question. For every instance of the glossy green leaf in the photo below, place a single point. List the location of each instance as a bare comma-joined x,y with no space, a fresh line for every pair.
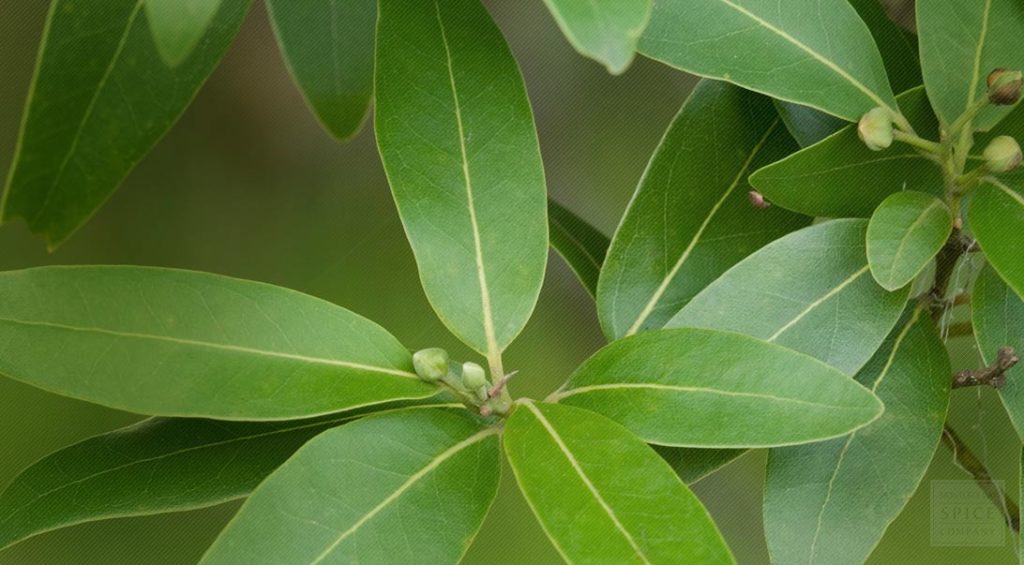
961,43
456,135
605,31
693,464
691,218
997,221
997,313
570,466
831,502
906,231
841,177
408,487
116,97
807,125
158,465
786,50
328,45
581,245
180,343
705,388
809,291
178,25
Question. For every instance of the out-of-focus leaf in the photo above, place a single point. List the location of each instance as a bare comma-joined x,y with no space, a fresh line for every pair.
581,245
178,25
605,31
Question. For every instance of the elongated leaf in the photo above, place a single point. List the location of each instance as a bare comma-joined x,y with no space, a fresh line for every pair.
180,343
116,97
328,45
457,139
784,49
997,220
581,245
693,464
831,502
178,25
906,231
604,31
817,181
691,219
961,43
158,465
706,388
897,46
568,462
809,291
997,313
409,487
807,125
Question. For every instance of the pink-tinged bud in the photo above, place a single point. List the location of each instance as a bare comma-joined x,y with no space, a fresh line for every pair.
1004,87
757,200
1002,154
875,129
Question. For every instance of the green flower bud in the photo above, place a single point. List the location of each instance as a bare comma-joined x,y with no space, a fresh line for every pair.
1004,87
1002,154
473,376
431,364
875,129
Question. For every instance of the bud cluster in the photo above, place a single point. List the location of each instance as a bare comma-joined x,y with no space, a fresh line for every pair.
469,381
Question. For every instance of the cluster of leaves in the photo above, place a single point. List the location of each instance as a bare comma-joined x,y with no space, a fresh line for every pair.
736,320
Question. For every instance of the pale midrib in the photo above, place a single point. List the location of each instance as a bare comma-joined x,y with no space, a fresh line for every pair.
1009,192
216,346
412,480
849,440
810,308
817,56
699,390
88,112
906,236
238,439
493,351
586,480
976,72
667,280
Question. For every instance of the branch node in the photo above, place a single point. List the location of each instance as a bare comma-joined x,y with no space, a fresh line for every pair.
994,375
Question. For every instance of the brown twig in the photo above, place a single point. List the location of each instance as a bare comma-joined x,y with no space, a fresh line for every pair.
945,262
993,375
970,463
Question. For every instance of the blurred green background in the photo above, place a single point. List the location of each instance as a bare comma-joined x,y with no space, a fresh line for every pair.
248,185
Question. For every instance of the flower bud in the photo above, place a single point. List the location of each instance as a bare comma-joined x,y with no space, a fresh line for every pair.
1004,87
1002,154
875,129
431,364
757,200
473,376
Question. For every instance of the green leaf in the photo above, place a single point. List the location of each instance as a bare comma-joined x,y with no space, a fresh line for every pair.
603,496
456,135
691,218
809,291
328,46
996,217
807,125
817,181
705,388
693,464
158,465
409,487
604,31
581,245
116,97
906,231
180,343
786,50
961,43
831,502
997,313
178,25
